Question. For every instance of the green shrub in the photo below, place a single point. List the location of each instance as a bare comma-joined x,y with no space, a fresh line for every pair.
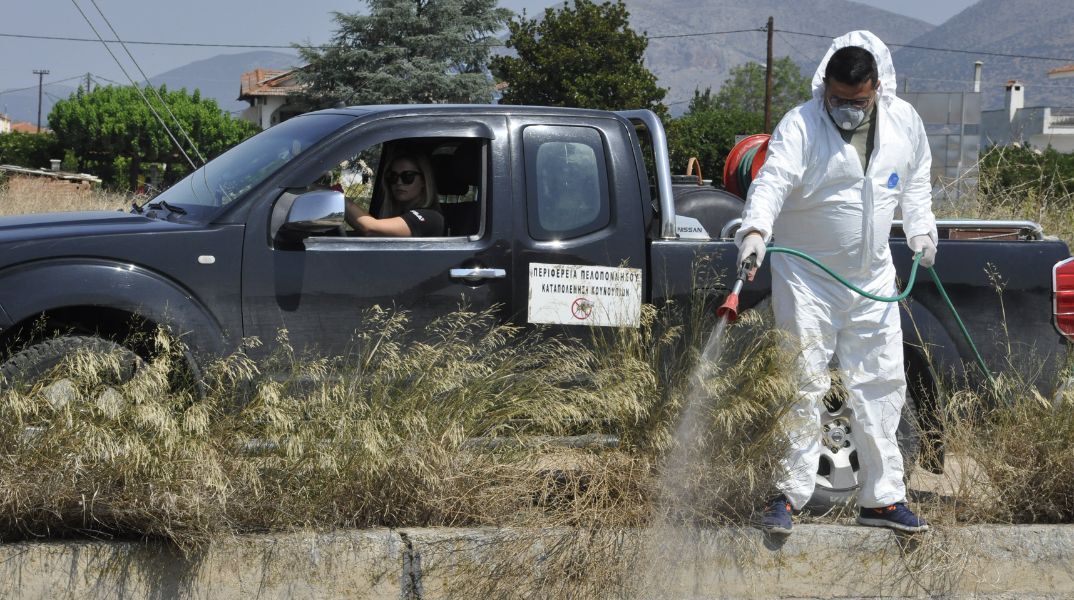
1042,178
32,150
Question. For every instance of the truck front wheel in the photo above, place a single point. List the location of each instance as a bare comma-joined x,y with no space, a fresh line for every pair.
41,359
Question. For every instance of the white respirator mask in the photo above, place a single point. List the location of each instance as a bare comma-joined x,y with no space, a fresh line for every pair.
847,117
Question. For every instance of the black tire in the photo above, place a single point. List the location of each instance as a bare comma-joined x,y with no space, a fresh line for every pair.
41,358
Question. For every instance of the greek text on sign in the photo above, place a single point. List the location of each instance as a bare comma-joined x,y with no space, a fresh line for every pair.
584,295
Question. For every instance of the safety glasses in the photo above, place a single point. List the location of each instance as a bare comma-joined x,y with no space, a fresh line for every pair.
836,101
407,177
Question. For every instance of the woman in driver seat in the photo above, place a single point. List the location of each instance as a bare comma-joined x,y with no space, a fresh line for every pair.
411,206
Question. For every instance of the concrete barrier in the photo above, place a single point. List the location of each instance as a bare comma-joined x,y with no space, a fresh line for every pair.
359,564
817,561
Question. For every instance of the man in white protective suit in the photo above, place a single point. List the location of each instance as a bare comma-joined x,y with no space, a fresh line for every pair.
836,169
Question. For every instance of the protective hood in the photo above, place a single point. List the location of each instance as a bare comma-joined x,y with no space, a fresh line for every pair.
884,67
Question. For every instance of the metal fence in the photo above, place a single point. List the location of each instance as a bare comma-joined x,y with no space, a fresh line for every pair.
953,125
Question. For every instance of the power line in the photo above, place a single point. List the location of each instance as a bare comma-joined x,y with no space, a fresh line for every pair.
136,87
501,44
150,43
704,33
291,47
1033,84
34,87
795,48
935,49
145,77
103,78
498,44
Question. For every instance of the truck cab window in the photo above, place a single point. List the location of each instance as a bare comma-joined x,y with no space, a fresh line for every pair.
459,166
567,181
448,174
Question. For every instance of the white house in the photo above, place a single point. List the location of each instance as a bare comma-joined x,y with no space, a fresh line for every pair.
5,124
1037,126
270,93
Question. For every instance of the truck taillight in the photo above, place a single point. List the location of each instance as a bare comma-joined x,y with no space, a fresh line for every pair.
1063,292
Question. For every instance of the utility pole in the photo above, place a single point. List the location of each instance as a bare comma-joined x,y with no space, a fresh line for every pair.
87,82
40,89
768,83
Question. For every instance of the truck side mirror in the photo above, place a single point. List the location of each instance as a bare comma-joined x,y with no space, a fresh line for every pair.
315,212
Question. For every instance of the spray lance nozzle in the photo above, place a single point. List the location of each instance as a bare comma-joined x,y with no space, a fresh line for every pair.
729,309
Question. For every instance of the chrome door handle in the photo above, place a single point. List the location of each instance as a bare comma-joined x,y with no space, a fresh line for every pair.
478,273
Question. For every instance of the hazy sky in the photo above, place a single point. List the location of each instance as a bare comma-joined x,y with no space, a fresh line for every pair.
212,21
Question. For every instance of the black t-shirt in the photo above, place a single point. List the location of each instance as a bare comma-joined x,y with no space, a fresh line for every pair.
424,222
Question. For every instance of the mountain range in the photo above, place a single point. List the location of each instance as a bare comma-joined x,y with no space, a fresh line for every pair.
695,43
1041,28
687,63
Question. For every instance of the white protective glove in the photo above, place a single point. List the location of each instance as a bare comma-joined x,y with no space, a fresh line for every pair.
925,245
752,244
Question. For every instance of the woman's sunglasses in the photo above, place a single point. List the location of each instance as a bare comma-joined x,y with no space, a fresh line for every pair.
407,177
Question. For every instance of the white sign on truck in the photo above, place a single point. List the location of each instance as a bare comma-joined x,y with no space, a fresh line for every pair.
584,295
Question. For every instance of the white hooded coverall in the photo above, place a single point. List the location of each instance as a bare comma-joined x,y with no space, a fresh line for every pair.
813,195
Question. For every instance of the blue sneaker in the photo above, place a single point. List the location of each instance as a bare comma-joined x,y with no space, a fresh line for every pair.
896,516
777,516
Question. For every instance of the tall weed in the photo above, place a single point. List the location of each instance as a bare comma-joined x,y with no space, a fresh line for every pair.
26,195
455,424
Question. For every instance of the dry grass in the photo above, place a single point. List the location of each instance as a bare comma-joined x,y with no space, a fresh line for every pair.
24,195
1009,448
1044,196
1009,458
383,437
377,439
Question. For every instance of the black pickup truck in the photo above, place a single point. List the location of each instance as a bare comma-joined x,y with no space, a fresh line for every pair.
552,216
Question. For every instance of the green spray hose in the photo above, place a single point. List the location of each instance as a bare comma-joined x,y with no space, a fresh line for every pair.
744,172
898,298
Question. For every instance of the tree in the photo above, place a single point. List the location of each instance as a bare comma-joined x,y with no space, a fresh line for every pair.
27,149
744,89
708,129
406,51
113,126
709,135
702,101
584,56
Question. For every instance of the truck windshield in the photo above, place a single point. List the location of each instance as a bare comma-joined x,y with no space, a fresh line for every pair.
233,173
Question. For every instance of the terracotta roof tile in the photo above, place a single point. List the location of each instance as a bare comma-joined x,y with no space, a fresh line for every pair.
268,82
1064,71
24,127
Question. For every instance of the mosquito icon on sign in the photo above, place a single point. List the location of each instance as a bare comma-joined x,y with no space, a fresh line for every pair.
582,308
